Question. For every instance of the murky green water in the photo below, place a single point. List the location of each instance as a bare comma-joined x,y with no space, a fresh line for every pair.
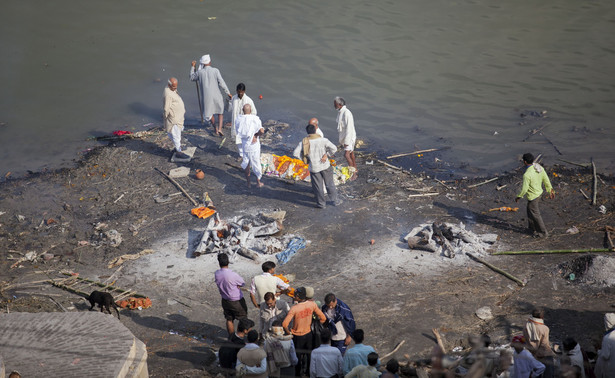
416,74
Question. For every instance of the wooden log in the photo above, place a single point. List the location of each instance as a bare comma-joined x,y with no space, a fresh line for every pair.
542,252
498,270
594,184
442,183
178,187
483,183
577,164
415,152
394,350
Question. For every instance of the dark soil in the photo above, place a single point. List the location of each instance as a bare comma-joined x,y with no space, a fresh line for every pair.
392,299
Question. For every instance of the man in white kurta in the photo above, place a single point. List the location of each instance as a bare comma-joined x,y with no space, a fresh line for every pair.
237,103
605,363
347,133
173,115
211,88
249,128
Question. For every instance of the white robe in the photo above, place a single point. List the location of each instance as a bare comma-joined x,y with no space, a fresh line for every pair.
345,127
248,125
237,109
211,88
605,363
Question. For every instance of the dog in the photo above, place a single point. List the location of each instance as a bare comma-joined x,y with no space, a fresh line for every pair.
104,301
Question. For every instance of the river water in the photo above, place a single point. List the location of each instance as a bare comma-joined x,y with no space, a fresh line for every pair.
416,74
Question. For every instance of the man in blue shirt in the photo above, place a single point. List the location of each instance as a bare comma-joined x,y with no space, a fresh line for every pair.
357,355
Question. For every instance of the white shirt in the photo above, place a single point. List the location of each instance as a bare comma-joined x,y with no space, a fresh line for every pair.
237,109
318,147
345,126
246,126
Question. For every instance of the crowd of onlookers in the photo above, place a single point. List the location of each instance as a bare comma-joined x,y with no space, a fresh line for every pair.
314,339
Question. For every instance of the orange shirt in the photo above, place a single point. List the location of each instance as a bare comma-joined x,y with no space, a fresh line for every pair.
302,315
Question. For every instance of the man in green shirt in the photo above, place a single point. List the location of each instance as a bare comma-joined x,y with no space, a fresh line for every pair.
533,179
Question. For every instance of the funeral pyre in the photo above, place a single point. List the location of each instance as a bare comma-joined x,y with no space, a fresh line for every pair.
448,239
247,235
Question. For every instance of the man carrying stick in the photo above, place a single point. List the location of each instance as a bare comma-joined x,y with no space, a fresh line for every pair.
533,179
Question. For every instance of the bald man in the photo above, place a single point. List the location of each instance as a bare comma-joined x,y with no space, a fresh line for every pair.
249,128
173,116
314,121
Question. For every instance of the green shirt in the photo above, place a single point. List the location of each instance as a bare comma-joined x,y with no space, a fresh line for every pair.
533,178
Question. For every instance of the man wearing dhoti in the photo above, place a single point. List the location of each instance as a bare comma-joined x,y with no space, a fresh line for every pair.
237,103
249,128
173,115
347,133
211,86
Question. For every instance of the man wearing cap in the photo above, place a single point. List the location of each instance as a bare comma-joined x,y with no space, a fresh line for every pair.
346,130
211,86
173,115
526,365
341,321
533,179
301,316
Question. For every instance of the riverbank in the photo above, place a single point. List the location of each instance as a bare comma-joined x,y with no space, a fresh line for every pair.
395,294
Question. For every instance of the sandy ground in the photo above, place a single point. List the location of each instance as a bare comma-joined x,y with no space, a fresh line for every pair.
396,294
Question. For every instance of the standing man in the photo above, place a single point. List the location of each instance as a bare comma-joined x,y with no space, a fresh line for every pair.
249,129
348,135
270,311
237,103
536,334
314,121
366,371
211,86
265,283
315,150
357,355
326,360
252,359
526,365
605,363
341,322
533,179
229,284
301,316
227,355
173,116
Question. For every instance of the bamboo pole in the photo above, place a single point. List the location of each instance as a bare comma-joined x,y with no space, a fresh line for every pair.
393,166
553,251
483,183
573,163
113,288
393,351
498,270
413,153
594,184
178,187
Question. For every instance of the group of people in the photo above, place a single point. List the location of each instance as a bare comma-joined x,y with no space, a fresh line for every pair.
313,339
246,128
303,339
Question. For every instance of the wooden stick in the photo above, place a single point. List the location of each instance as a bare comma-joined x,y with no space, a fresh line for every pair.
498,270
113,288
483,183
554,146
393,166
414,153
399,344
594,184
589,250
178,187
536,131
573,163
436,333
608,230
422,195
198,96
442,183
583,193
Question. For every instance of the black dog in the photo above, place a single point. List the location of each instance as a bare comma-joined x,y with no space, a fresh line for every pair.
104,300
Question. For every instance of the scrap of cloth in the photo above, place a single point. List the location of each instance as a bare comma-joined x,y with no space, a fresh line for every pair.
203,212
294,246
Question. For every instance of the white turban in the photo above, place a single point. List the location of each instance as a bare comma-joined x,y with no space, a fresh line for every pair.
205,59
609,320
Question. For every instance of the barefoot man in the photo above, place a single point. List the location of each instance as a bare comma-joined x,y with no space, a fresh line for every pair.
348,135
211,86
249,129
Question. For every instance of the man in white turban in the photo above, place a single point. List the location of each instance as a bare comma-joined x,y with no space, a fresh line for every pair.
211,86
249,129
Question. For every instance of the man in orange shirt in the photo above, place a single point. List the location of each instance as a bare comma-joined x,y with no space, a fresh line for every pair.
301,316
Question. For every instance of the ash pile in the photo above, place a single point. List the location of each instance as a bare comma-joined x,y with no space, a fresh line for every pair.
247,235
448,239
